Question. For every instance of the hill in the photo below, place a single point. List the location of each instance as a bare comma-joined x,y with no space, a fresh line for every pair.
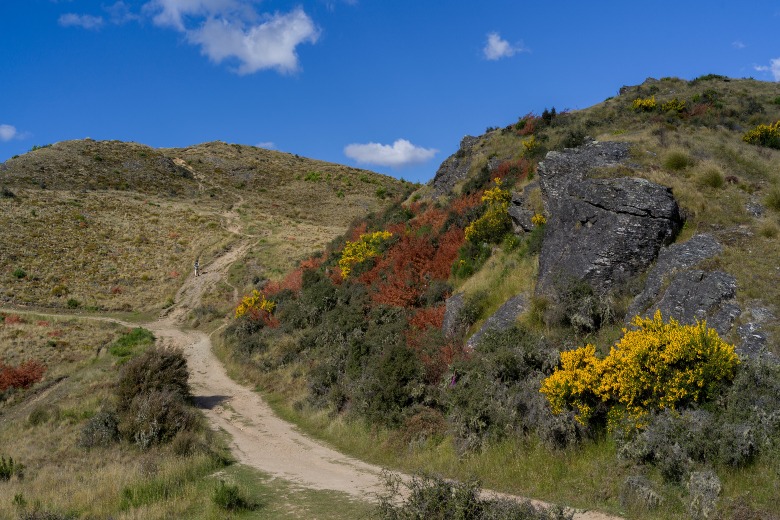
443,333
114,226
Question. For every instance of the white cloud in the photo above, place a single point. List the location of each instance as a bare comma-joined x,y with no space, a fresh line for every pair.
85,21
400,153
269,145
773,67
497,48
268,45
737,44
8,132
232,29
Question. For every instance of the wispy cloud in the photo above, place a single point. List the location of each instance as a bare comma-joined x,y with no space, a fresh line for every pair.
496,47
7,132
269,145
85,21
738,44
773,68
10,133
401,153
120,13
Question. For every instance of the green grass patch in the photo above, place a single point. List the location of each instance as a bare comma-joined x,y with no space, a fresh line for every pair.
131,343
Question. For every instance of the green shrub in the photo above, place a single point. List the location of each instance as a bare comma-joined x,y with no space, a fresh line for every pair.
229,497
19,273
100,430
677,161
712,178
73,303
9,468
156,417
157,369
772,198
432,497
312,177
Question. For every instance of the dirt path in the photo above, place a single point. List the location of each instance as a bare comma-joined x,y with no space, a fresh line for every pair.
259,438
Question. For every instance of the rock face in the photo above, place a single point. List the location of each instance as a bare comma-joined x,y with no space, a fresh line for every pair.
502,319
452,325
520,210
679,290
454,169
602,231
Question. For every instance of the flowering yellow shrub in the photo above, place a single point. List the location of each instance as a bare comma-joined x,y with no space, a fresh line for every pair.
764,135
365,247
658,365
253,303
675,105
538,220
530,146
495,221
645,104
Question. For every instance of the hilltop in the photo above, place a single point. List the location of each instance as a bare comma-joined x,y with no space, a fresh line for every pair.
114,226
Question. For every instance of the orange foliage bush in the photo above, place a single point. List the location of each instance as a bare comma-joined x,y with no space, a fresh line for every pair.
462,204
433,217
13,319
294,279
522,166
530,124
22,376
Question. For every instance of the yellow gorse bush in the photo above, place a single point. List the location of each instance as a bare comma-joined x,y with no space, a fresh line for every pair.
254,302
645,104
365,247
495,221
538,219
658,365
764,135
530,146
673,105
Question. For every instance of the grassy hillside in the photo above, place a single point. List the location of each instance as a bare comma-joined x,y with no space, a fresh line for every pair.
354,349
115,226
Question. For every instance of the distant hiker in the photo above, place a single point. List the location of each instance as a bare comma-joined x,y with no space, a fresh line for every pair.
454,379
197,268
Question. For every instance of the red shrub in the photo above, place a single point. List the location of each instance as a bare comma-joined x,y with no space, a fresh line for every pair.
23,376
531,122
433,217
294,279
521,167
699,109
355,232
43,323
13,319
116,290
174,274
462,204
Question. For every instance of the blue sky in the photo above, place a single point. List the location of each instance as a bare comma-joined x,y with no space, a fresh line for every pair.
388,85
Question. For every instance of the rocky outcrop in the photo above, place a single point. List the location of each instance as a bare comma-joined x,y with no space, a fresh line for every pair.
601,231
502,319
455,168
679,290
453,324
520,210
672,260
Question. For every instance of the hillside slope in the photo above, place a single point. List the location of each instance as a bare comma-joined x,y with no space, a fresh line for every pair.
435,333
114,226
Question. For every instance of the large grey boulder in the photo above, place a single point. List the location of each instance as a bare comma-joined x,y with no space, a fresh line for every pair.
455,168
520,210
502,319
603,231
